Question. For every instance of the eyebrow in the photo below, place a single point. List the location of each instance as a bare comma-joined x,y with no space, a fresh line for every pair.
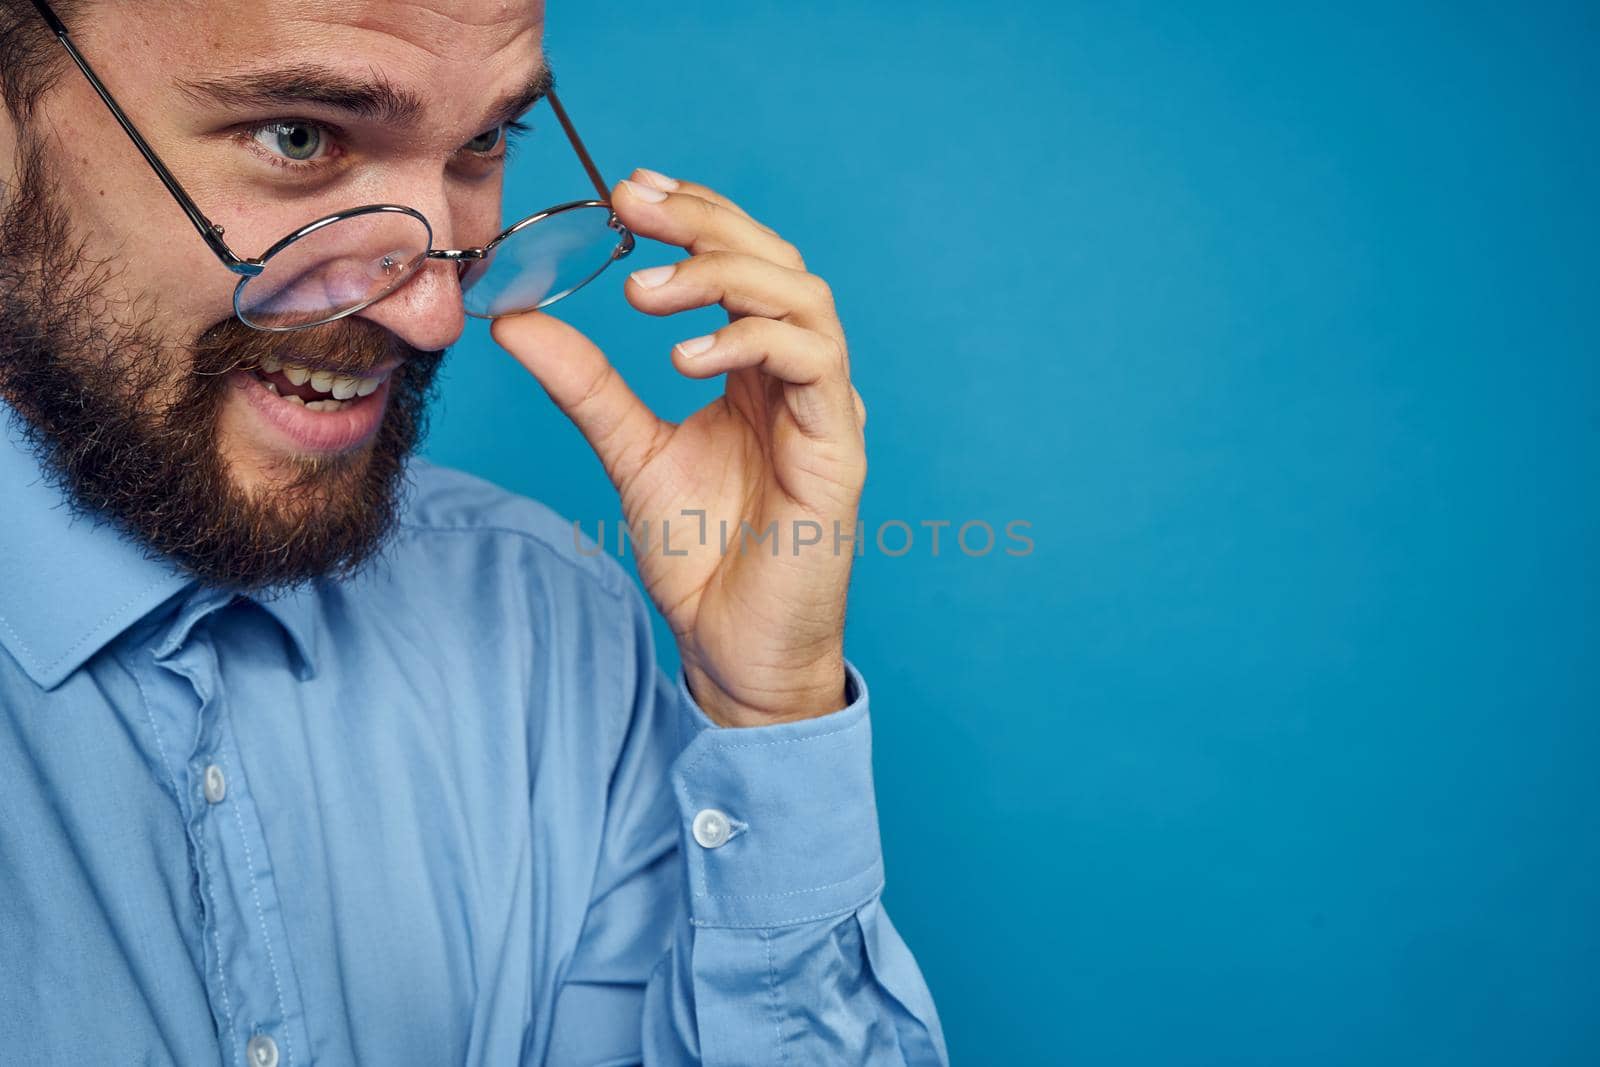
375,98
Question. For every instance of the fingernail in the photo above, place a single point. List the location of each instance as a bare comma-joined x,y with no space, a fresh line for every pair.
651,277
696,346
657,179
644,192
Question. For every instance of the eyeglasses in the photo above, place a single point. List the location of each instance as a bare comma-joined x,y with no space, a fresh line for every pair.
349,260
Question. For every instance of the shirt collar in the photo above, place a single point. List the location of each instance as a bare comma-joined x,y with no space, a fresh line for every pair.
296,611
70,583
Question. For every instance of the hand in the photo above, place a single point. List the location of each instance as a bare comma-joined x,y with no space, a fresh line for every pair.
761,635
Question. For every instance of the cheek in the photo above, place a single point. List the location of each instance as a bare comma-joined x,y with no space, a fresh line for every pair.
191,291
146,259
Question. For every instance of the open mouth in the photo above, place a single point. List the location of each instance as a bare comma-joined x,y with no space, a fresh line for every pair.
317,390
311,410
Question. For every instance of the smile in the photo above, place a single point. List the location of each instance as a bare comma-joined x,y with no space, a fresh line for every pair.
309,410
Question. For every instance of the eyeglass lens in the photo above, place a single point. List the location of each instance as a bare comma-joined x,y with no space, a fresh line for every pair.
351,262
343,265
541,262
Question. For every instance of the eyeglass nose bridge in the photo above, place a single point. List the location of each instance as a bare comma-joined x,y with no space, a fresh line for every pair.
457,255
463,258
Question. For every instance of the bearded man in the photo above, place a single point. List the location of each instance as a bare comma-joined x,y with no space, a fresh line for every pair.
315,753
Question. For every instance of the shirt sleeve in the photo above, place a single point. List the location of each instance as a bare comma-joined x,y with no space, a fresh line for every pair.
735,918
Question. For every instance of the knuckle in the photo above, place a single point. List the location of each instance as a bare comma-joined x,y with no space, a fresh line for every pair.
703,267
707,213
747,330
790,256
837,355
715,260
596,387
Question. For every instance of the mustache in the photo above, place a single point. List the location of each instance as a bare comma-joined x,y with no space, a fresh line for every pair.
353,346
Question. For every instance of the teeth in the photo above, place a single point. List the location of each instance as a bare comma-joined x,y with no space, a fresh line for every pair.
273,387
340,387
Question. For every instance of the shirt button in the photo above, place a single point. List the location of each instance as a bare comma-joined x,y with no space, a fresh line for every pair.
711,828
262,1051
216,785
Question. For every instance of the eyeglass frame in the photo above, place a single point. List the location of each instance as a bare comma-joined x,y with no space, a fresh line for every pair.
463,258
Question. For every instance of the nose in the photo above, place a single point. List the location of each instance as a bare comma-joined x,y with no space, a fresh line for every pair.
425,312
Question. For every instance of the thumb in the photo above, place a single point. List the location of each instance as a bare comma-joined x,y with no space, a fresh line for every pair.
585,386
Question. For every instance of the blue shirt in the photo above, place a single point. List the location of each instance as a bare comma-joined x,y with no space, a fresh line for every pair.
448,812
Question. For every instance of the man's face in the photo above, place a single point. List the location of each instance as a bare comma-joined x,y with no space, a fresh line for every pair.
117,338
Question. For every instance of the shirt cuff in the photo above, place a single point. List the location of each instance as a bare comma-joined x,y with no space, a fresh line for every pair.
778,824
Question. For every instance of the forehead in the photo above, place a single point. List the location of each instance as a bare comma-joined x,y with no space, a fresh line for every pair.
452,54
455,31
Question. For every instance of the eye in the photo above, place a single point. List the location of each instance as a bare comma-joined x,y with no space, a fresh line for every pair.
301,142
487,141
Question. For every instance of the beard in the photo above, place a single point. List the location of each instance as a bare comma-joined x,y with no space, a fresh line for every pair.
125,421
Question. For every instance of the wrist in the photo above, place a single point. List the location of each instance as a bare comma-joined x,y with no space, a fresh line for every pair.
785,697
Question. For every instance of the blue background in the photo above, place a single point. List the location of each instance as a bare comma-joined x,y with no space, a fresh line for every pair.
1277,323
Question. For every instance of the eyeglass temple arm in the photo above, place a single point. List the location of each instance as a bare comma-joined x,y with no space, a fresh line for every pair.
210,232
577,146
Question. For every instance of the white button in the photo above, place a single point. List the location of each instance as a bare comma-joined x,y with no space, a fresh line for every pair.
216,785
711,828
262,1051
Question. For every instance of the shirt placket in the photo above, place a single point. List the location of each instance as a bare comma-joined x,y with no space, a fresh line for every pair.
255,997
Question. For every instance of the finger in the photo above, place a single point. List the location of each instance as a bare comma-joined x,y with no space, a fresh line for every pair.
623,432
743,284
704,192
698,225
810,364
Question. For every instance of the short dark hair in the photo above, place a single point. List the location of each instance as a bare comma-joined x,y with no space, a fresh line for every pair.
30,57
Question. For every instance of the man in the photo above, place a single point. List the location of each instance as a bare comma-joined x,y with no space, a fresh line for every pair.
297,767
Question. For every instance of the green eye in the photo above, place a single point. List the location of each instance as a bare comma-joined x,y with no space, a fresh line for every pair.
299,141
487,141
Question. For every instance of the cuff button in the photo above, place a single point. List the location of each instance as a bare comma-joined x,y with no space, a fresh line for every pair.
711,828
